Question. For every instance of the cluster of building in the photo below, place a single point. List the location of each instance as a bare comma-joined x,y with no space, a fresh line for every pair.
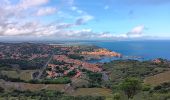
158,61
2,55
70,64
102,52
24,51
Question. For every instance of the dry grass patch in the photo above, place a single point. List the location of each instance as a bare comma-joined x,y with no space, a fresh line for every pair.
158,79
92,92
22,74
31,87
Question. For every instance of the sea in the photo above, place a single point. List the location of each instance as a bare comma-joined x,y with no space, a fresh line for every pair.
136,50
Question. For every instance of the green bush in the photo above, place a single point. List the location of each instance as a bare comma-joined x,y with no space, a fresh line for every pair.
116,96
60,80
146,87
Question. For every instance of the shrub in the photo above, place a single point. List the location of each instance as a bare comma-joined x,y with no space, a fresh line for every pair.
146,87
116,96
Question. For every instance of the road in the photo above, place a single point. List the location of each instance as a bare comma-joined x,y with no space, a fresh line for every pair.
43,68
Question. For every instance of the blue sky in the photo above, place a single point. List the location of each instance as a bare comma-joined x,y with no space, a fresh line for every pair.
85,19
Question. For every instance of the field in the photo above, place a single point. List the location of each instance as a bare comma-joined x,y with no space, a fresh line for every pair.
93,92
22,74
57,87
31,87
158,79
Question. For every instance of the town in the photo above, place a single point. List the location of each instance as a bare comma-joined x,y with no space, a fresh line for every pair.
66,60
65,71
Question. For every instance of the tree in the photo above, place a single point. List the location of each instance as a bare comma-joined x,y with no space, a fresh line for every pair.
130,86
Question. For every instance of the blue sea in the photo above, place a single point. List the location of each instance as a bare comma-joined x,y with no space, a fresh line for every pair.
139,50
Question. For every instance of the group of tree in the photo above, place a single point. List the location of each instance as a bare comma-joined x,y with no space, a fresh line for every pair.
47,95
6,78
76,56
95,79
22,64
60,80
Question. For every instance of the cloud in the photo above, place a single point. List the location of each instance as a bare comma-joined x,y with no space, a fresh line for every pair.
136,31
84,19
46,11
24,19
28,4
20,19
76,9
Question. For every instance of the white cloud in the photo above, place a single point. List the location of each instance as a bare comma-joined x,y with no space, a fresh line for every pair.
46,11
21,19
79,11
28,3
136,31
107,35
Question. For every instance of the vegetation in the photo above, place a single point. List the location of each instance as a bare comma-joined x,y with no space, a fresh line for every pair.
75,56
72,73
126,79
116,96
6,78
22,64
46,95
121,69
25,75
60,80
95,79
1,90
130,86
162,88
57,62
158,78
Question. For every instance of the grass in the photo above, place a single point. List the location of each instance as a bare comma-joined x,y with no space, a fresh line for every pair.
22,74
158,78
92,92
79,82
31,87
16,98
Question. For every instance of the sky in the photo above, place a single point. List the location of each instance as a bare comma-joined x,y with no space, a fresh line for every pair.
84,19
